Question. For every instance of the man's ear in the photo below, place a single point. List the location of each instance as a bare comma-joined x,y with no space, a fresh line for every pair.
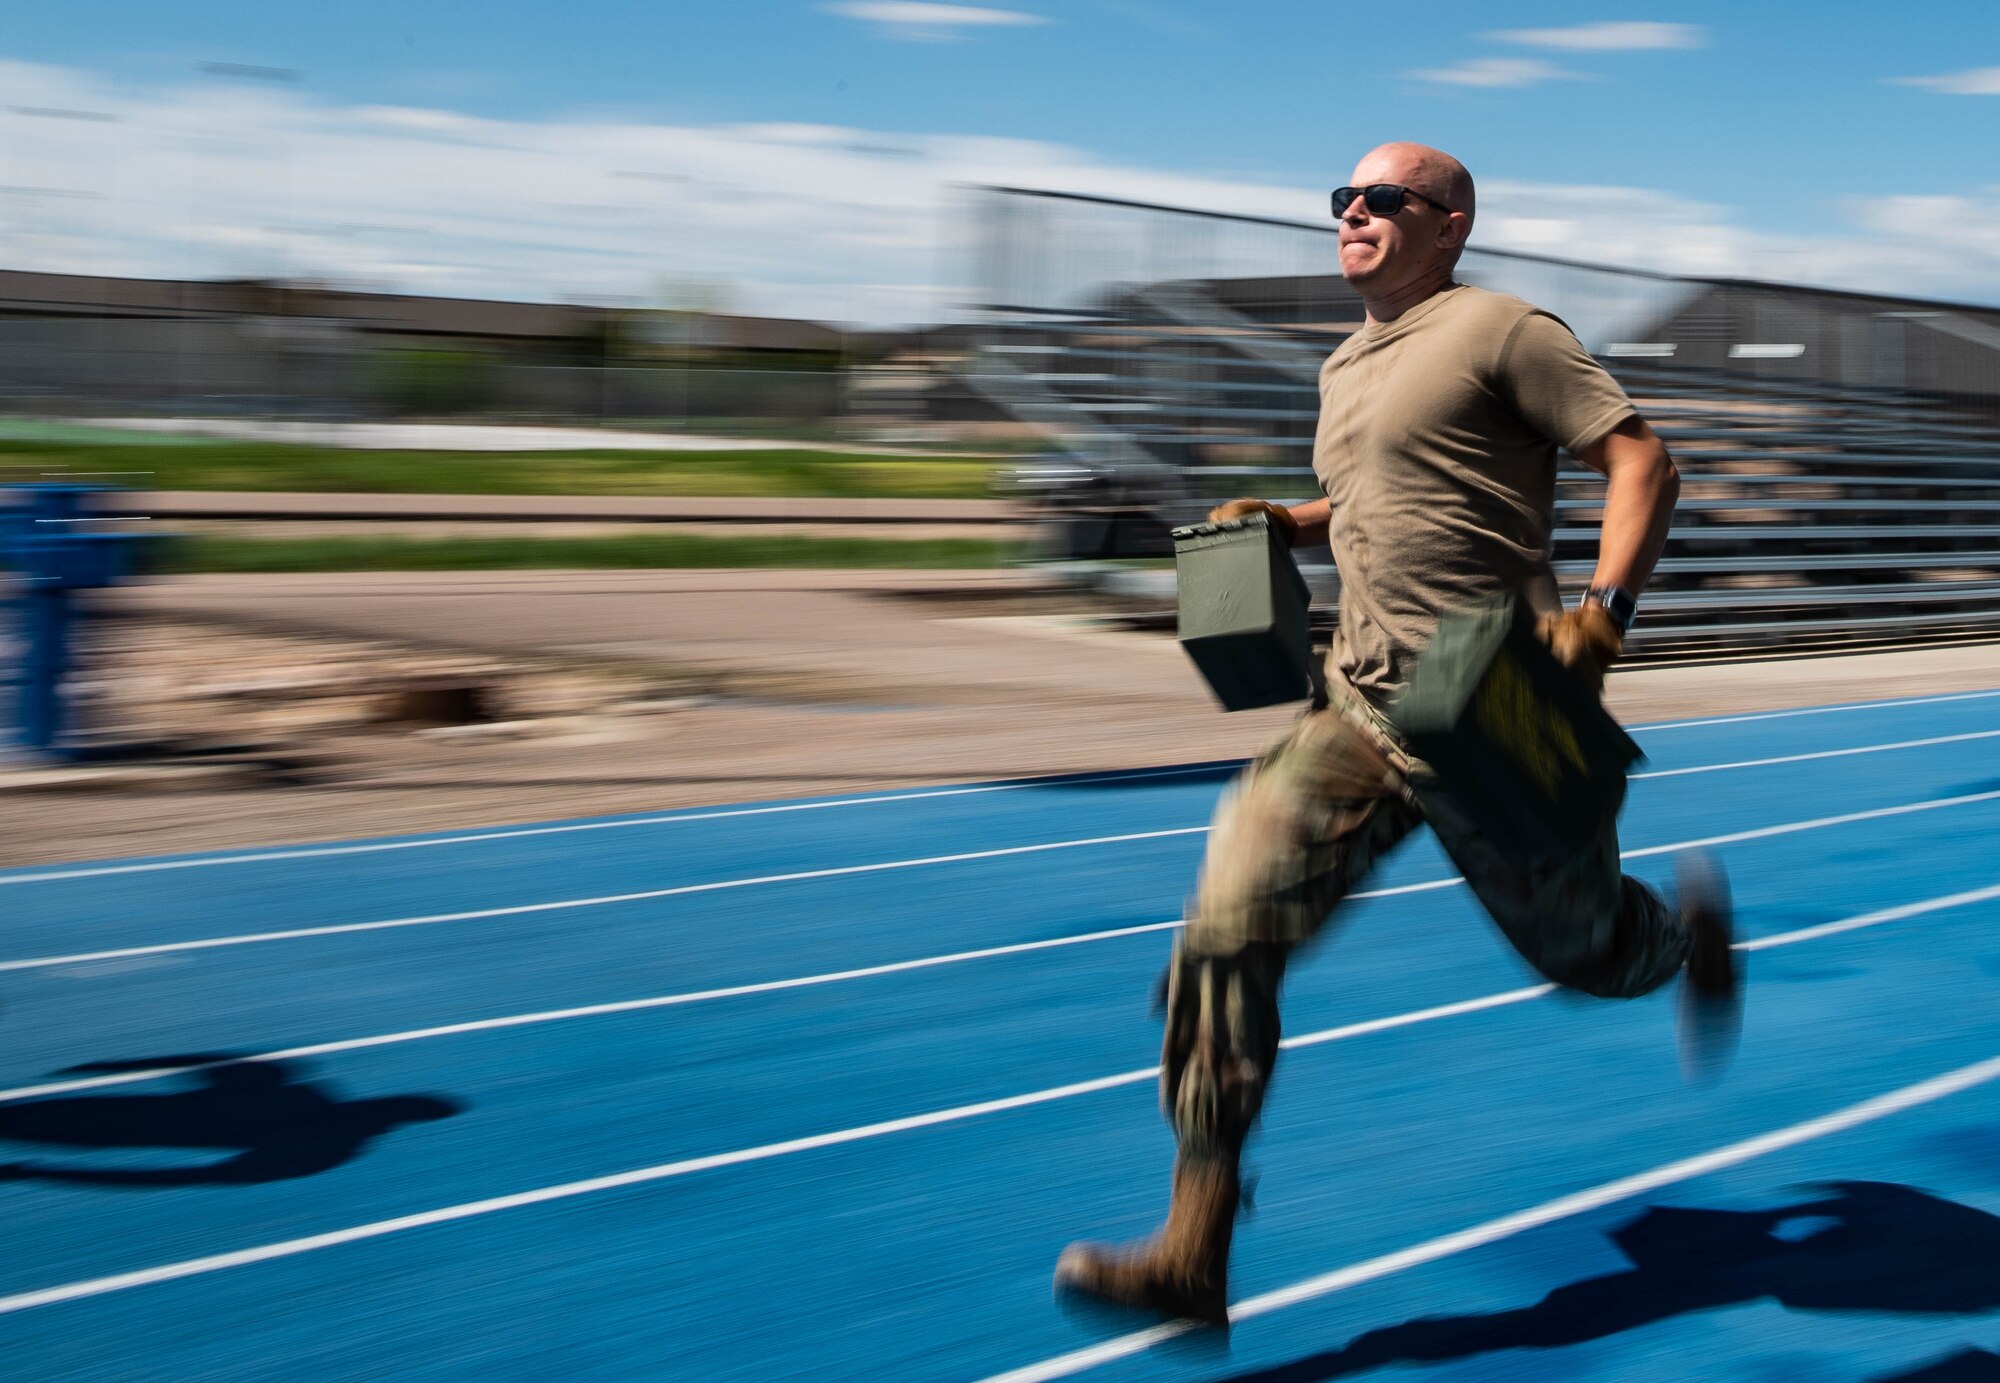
1452,234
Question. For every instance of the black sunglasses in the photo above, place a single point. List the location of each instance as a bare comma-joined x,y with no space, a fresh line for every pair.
1381,199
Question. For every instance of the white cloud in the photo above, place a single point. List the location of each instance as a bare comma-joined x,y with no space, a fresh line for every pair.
792,132
223,181
414,118
924,22
1945,247
1498,72
1968,225
1978,81
1608,36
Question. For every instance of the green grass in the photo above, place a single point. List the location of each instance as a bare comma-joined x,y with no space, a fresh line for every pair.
639,550
788,472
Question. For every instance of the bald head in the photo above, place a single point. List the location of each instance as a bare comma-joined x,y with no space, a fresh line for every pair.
1430,171
1399,257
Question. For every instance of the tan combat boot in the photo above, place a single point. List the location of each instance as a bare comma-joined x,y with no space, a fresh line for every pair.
1183,1271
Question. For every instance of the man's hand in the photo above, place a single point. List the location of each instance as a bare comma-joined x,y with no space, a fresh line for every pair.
1278,516
1585,640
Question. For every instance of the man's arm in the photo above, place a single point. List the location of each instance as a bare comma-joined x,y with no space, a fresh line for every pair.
1638,509
1312,519
1307,526
1638,504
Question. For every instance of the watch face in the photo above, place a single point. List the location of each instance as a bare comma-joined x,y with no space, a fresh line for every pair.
1617,602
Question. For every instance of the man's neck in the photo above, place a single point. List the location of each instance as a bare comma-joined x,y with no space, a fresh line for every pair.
1393,304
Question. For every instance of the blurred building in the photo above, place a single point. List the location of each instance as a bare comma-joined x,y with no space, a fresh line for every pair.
72,342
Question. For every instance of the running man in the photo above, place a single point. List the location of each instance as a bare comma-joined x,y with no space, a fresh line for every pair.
1436,449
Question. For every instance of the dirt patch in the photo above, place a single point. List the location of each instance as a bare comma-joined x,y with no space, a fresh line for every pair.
152,677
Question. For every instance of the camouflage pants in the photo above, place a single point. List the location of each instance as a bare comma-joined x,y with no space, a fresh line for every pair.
1295,832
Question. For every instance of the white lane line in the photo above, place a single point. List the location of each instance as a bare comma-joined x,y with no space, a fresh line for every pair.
1548,1212
1819,754
343,928
563,1015
1362,1028
519,909
1817,823
1873,919
1705,721
560,1015
606,900
314,852
764,1152
289,1248
523,832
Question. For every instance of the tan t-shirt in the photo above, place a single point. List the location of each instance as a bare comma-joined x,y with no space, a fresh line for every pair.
1437,447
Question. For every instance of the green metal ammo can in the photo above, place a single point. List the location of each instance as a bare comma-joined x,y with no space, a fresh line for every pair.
1243,612
1528,749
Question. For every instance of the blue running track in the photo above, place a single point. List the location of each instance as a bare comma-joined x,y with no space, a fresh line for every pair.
819,1090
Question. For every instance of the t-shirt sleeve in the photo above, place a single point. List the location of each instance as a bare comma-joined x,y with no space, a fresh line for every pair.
1556,387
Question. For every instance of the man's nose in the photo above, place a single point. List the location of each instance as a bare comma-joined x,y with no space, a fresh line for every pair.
1356,209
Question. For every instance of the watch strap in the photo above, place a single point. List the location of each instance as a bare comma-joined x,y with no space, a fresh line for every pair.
1618,602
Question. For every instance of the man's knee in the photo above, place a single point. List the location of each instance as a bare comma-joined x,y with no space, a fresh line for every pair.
1219,928
1617,950
1242,900
1252,828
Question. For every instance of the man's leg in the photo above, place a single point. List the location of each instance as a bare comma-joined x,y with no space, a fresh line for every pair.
1294,833
1582,922
1585,924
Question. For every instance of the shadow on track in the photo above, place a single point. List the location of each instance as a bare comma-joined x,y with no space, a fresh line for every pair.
1869,1246
278,1125
1967,1366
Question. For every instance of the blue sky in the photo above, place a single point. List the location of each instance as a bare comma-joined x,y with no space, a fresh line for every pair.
1789,126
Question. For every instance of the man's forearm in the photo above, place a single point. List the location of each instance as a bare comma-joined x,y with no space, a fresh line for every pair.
1312,519
1638,511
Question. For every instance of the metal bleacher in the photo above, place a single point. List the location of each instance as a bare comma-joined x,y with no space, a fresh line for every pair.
1839,487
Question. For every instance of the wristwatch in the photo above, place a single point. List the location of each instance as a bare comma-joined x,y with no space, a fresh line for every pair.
1618,602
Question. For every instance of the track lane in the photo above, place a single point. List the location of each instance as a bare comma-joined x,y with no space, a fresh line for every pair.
681,1087
1436,1116
186,895
426,976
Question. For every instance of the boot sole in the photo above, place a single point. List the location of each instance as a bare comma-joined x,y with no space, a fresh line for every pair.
1079,1299
1109,1313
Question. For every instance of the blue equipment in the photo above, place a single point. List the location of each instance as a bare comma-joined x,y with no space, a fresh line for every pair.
51,555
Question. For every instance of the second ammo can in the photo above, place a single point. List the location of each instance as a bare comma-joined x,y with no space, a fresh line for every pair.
1512,734
1243,612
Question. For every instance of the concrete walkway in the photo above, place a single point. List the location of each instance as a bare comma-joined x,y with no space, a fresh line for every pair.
824,682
